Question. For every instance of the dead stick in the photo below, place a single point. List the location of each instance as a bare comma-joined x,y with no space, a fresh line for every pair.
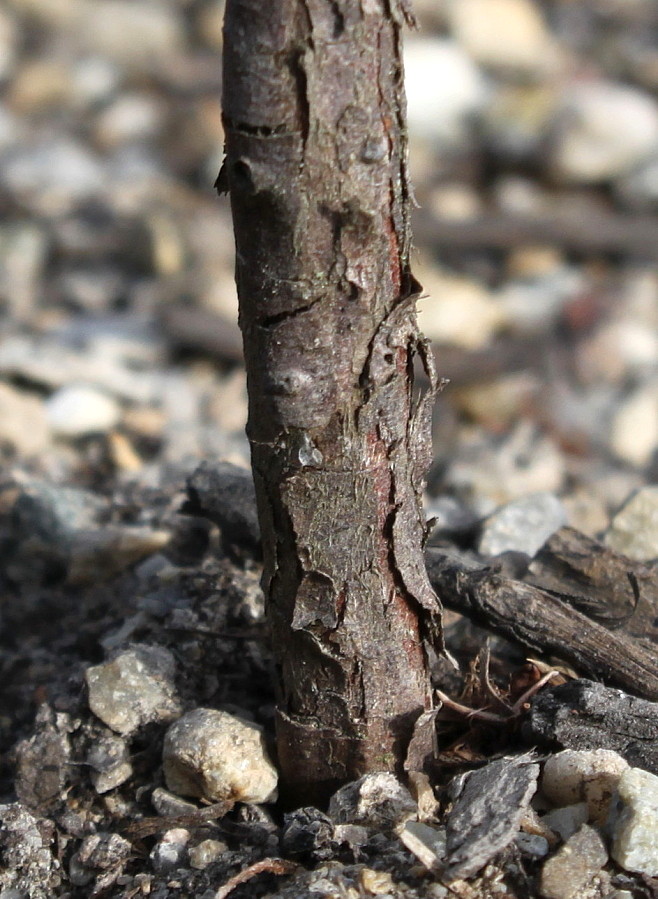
543,623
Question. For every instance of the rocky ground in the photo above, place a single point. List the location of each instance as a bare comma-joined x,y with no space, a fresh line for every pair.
132,640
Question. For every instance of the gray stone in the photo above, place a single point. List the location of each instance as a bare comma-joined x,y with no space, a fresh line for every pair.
213,755
168,804
171,850
45,522
103,851
427,843
532,844
43,761
137,687
132,117
634,529
574,865
375,800
567,820
634,822
81,410
52,176
27,860
523,525
109,762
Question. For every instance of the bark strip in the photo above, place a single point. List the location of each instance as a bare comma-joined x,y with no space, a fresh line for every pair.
316,170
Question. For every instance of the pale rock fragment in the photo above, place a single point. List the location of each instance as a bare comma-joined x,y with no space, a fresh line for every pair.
589,776
213,755
523,525
109,762
170,851
574,865
135,688
567,820
634,822
375,800
634,529
79,410
205,853
504,34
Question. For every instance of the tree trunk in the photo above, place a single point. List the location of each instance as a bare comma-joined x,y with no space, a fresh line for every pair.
316,168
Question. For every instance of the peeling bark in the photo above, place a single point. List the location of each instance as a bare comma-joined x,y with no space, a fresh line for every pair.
316,169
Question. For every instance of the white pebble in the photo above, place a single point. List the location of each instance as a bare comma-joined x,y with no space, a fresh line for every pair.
582,775
634,822
80,410
213,755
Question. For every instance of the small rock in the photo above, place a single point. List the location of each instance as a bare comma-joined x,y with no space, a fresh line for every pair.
453,518
43,761
94,81
225,494
603,131
458,310
205,853
567,820
80,410
137,36
503,34
45,522
574,865
533,305
375,800
109,761
444,90
352,834
532,845
213,755
522,526
427,843
169,805
591,776
524,462
634,822
376,883
23,259
25,849
132,117
634,430
634,529
170,851
307,835
137,687
103,850
53,175
40,86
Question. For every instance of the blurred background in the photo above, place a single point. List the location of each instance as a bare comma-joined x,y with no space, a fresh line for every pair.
534,154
